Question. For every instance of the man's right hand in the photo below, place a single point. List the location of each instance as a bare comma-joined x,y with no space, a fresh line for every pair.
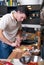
16,44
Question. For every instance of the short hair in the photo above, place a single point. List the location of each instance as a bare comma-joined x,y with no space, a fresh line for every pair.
23,9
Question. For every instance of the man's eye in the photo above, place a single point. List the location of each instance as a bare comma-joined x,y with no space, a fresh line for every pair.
22,17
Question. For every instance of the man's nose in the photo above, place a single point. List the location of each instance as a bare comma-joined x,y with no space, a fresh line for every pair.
22,19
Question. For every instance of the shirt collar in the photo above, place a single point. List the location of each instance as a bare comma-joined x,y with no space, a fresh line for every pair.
12,15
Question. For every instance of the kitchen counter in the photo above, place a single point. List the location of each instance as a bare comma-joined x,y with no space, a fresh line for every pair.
18,52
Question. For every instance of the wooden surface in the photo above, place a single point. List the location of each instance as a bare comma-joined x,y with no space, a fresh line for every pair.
12,55
15,55
19,52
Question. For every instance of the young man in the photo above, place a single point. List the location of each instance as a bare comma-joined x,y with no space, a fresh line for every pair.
9,26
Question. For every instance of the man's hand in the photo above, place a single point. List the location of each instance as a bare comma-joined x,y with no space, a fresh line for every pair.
17,42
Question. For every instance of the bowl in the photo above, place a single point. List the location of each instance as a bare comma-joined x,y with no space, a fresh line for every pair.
25,59
36,58
28,59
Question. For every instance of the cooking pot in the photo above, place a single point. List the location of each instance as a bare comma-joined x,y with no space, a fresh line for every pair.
28,59
25,59
36,58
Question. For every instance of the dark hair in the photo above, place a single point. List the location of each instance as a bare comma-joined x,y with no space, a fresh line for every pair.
23,9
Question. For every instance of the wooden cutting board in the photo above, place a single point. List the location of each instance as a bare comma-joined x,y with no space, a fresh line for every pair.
18,52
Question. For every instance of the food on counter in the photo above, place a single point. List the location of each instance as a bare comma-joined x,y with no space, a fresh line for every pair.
26,54
29,47
17,50
21,51
23,48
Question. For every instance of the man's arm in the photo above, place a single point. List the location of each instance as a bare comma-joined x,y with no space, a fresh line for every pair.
2,37
13,44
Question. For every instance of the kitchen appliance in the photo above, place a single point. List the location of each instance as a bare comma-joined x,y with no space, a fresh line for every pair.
30,59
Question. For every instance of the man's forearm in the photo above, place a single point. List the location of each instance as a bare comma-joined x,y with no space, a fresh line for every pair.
2,37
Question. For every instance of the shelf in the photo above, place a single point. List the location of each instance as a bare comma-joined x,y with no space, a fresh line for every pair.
11,6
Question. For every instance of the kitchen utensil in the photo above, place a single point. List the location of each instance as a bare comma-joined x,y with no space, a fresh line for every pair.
35,60
25,59
30,60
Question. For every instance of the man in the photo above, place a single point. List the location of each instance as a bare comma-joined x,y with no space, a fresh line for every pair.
10,24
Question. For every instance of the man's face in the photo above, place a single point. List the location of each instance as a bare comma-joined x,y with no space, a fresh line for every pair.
21,16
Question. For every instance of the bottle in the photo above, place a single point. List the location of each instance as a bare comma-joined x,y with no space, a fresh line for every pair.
10,2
